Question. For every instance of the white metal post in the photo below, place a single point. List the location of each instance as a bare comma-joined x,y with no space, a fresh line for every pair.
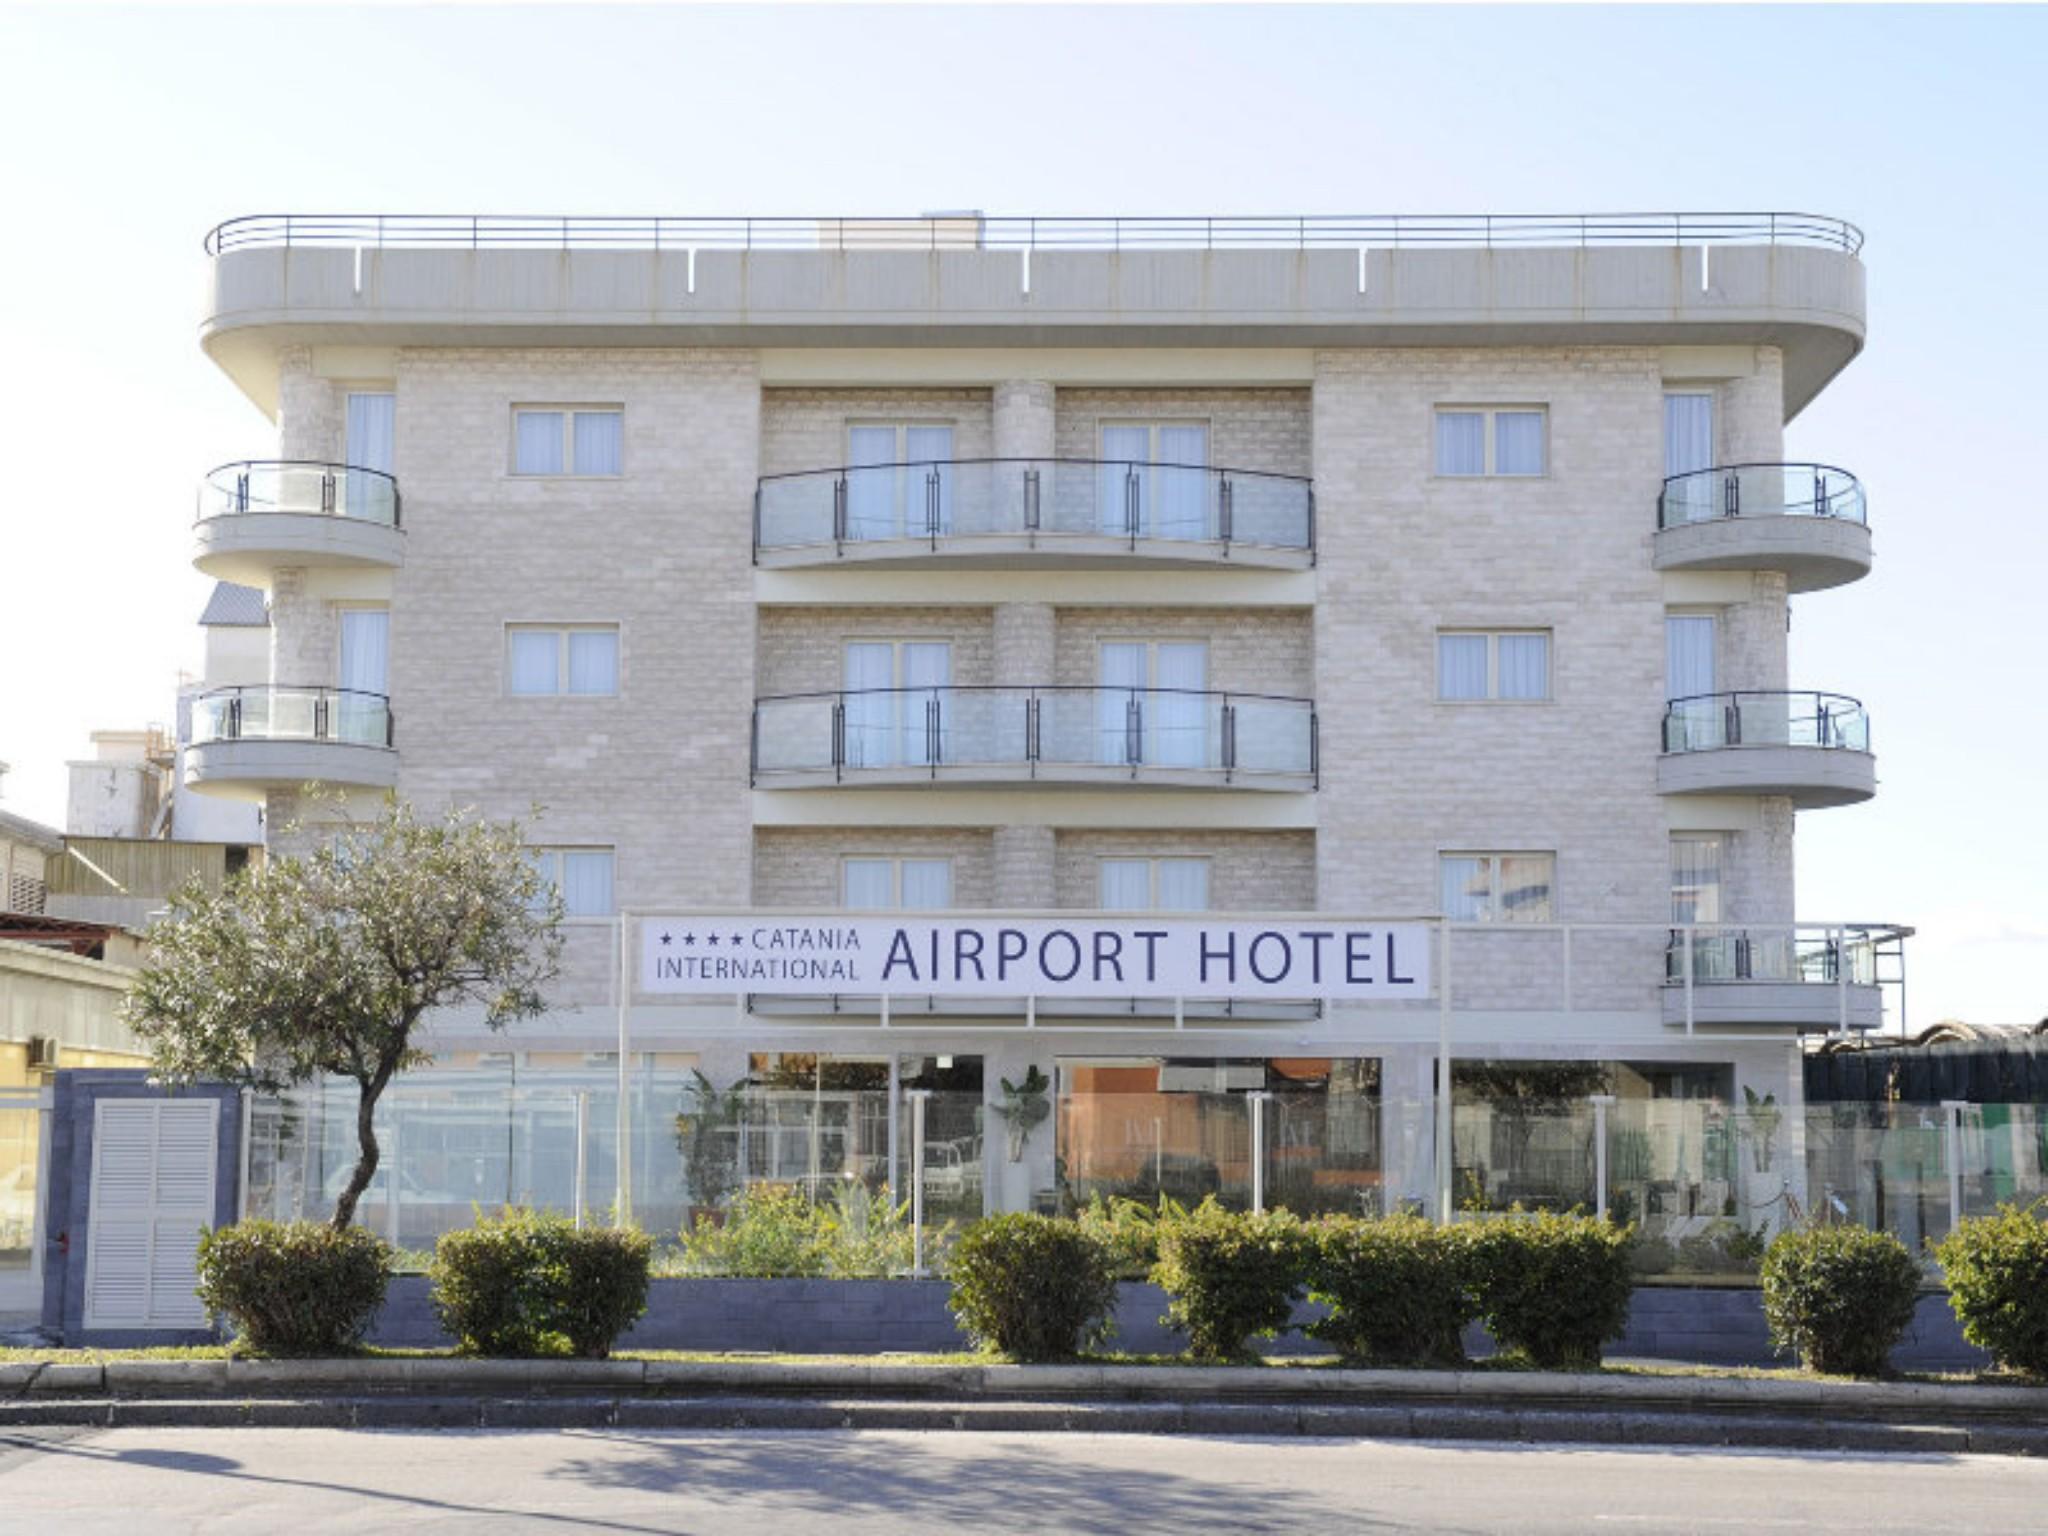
1258,1106
1688,937
1952,1150
582,1154
917,1101
242,1189
622,1207
1443,1075
1601,1103
391,1180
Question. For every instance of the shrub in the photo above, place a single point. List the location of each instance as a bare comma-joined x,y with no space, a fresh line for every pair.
529,1283
1553,1288
1130,1228
1997,1269
1230,1276
773,1232
297,1288
1033,1287
1840,1296
1399,1289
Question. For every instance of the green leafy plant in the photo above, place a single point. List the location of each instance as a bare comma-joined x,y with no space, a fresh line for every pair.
1760,1126
297,1288
705,1137
1130,1229
1033,1287
529,1283
1997,1271
1025,1107
1840,1296
1553,1288
1230,1276
772,1232
1399,1289
323,965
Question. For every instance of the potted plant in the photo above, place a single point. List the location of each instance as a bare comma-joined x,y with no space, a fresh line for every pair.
704,1136
1025,1107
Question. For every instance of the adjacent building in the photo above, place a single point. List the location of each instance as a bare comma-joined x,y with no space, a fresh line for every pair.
1426,569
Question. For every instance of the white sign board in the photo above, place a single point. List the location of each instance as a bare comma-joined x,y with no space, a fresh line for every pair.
1087,956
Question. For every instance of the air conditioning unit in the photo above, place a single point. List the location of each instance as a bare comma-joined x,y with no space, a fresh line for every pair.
42,1053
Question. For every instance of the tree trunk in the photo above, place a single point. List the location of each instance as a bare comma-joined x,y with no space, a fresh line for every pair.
366,1162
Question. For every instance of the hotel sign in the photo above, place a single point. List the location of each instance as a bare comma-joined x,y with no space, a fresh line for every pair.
968,956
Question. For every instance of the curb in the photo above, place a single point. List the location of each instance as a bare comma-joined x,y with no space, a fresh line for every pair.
1456,1422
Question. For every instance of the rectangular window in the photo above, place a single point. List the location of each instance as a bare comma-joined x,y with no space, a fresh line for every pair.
1688,432
897,701
1154,885
1153,481
1491,440
1696,879
582,875
568,440
582,660
1511,664
1498,887
1152,705
889,884
899,480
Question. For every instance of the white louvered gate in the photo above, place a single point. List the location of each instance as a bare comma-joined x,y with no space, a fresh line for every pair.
153,1166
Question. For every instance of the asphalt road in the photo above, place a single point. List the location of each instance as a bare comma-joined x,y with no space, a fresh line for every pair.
312,1482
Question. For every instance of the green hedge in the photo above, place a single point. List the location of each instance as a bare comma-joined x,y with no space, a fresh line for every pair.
772,1231
1552,1288
529,1283
1997,1271
1230,1276
1033,1287
298,1288
1399,1289
1841,1296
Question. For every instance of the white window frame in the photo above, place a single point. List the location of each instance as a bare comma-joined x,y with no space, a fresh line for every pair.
1493,638
562,632
1494,858
906,513
568,412
548,857
1152,863
896,861
1720,842
1150,426
1491,413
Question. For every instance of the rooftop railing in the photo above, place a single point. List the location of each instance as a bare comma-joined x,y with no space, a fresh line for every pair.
1708,721
305,487
1029,232
263,713
1035,729
1761,490
1054,499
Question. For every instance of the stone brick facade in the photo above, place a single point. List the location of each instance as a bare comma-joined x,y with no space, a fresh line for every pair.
1248,871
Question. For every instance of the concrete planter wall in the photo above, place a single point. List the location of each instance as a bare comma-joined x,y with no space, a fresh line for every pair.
1709,1325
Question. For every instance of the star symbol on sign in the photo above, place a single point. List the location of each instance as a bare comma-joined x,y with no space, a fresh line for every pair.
713,939
689,940
667,938
735,941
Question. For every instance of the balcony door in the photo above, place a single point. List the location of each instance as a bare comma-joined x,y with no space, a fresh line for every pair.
370,442
1150,706
1154,479
1689,644
895,702
360,709
1688,432
893,471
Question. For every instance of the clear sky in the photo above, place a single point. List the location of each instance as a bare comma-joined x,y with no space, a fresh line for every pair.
128,133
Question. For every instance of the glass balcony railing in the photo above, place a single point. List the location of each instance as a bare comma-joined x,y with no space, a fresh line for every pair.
1811,956
1761,490
1045,500
1035,728
1708,721
342,715
302,488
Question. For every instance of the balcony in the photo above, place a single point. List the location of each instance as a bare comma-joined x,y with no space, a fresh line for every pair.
1035,513
1808,520
1814,976
1035,736
1813,747
249,740
261,514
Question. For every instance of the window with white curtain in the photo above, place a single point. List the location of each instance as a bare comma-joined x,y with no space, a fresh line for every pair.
1498,887
361,708
872,883
1153,480
582,875
1696,878
898,702
1154,885
579,659
568,440
1688,432
369,441
899,479
1152,701
1480,440
1483,664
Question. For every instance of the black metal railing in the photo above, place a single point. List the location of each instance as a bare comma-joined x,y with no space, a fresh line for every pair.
1807,954
264,713
1761,490
1038,500
1126,730
1791,718
1028,232
305,487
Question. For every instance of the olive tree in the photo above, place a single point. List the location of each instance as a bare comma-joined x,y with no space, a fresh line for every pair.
323,964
